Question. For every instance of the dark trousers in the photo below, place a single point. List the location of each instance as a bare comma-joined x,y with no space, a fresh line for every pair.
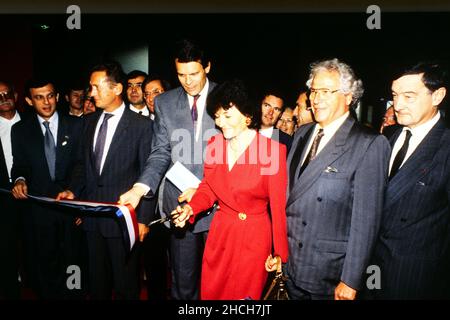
9,237
113,270
155,250
58,246
297,293
186,252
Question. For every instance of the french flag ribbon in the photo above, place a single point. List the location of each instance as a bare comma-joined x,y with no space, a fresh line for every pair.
125,214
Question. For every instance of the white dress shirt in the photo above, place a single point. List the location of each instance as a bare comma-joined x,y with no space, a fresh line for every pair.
5,135
53,125
112,126
417,135
328,133
268,132
144,111
201,106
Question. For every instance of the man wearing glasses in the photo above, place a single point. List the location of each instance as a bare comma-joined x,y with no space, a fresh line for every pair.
153,86
337,174
9,215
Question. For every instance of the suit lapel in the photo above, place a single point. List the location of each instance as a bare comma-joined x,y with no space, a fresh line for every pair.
90,133
61,142
334,149
417,165
118,138
296,157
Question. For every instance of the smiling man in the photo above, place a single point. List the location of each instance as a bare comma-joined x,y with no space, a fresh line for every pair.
337,174
413,247
44,148
180,112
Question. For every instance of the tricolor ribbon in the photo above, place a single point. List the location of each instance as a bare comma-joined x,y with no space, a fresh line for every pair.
125,214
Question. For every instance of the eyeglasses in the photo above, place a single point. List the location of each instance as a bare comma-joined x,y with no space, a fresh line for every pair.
153,93
8,95
323,93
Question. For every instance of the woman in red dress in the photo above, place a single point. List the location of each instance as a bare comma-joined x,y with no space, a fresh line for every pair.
245,173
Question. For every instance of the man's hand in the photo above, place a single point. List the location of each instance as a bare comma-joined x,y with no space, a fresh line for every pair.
187,195
66,194
143,231
132,196
20,189
184,214
344,292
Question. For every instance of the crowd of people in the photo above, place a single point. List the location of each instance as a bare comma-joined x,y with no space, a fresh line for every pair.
305,187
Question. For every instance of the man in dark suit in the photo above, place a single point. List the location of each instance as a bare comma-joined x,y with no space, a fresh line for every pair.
272,107
116,143
182,130
337,174
9,213
44,150
413,248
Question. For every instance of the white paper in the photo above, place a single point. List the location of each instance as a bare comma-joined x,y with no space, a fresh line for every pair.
181,177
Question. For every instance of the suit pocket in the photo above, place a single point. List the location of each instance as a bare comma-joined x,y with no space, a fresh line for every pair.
331,246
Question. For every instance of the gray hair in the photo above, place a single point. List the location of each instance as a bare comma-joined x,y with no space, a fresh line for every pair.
349,82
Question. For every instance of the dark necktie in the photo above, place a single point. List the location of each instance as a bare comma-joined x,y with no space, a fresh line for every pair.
312,152
50,149
400,155
194,112
100,142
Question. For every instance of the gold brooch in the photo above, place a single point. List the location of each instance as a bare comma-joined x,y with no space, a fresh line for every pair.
242,216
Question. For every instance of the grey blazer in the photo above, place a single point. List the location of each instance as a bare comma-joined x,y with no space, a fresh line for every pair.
174,140
334,209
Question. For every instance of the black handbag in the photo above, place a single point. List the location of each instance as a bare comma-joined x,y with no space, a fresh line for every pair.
277,289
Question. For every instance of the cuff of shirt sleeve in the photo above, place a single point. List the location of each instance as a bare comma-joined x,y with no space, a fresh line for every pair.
147,192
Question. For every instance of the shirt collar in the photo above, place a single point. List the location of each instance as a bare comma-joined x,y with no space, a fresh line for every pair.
423,129
203,93
13,120
331,128
117,112
144,111
53,119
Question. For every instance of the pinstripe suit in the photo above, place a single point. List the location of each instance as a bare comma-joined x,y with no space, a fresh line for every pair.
413,248
334,209
174,140
130,147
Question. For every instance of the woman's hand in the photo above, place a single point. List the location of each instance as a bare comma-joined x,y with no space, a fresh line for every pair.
181,214
187,195
273,263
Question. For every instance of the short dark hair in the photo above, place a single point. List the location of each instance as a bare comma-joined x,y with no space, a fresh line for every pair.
434,75
235,92
136,73
113,69
276,93
37,82
188,50
155,77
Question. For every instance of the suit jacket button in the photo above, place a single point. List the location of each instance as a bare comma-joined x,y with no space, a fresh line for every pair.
304,223
300,245
319,199
403,220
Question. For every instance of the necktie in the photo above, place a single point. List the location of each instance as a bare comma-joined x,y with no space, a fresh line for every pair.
400,155
194,112
50,149
312,152
100,142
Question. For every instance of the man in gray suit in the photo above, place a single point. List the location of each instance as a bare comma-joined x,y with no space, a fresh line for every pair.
181,131
337,175
413,248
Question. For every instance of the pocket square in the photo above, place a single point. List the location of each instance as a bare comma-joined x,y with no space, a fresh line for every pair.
331,169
